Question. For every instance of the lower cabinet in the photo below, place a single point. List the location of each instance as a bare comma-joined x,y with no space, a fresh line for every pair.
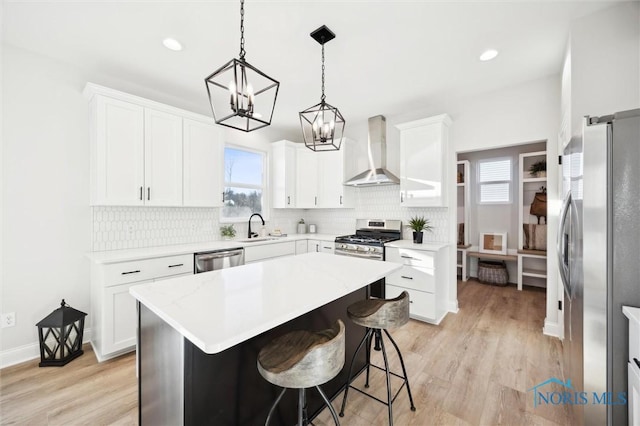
258,253
423,276
114,315
301,246
320,246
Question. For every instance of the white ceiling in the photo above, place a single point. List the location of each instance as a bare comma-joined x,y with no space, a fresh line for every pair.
389,57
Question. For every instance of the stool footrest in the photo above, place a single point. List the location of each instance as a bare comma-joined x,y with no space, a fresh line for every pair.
404,383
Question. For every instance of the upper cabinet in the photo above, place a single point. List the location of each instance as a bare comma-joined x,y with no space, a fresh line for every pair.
147,153
203,151
301,178
283,174
162,158
423,158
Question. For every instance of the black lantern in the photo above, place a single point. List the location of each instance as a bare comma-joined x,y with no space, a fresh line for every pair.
241,96
60,335
322,124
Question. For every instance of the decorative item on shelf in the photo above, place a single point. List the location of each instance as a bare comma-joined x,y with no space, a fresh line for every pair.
539,205
60,334
493,273
227,232
461,234
460,177
493,242
302,228
322,124
419,224
538,169
241,96
535,236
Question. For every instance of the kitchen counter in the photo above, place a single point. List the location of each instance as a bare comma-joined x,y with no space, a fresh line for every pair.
409,244
244,301
116,256
199,336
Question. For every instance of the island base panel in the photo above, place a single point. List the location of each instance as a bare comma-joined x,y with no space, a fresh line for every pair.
226,388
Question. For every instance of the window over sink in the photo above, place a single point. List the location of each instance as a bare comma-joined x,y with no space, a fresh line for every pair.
244,184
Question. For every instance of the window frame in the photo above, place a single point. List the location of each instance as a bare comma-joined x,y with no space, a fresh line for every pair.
509,182
263,187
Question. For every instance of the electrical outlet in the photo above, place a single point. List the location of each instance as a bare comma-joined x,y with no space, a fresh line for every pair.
8,320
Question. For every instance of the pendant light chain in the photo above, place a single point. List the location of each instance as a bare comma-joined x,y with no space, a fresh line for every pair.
322,98
242,51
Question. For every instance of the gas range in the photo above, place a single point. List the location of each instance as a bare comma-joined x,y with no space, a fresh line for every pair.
369,239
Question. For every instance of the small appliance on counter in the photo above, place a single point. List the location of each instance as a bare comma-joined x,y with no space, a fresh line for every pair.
312,229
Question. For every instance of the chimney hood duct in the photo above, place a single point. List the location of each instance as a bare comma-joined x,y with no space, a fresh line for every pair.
377,151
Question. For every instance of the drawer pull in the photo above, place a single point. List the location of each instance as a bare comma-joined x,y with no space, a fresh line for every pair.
130,272
406,278
328,248
176,265
637,362
410,301
409,257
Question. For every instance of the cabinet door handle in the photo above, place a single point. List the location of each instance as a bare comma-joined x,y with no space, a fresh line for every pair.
410,301
223,196
148,193
288,199
140,193
315,200
401,197
406,257
341,200
130,272
176,265
406,278
637,362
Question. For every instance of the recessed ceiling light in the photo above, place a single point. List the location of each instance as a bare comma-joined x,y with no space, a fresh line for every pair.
488,55
172,44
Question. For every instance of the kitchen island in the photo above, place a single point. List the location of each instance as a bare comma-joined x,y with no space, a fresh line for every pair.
199,336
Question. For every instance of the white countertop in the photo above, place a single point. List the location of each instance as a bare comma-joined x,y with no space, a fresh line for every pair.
116,256
410,245
217,310
632,313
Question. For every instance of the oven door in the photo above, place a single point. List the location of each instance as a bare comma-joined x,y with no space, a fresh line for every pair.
372,256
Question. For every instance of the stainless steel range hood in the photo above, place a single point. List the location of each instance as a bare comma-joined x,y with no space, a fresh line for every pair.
377,151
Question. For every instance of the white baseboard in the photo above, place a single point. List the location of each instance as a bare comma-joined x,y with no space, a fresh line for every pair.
551,329
28,352
453,306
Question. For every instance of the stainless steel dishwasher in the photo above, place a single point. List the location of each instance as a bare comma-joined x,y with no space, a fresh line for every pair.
218,259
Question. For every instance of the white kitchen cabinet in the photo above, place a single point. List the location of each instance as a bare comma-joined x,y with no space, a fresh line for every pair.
306,178
117,152
283,174
424,155
318,179
423,276
162,158
147,153
113,319
301,246
203,153
256,253
319,246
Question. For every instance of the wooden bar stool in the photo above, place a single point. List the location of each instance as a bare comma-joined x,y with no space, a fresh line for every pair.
303,359
377,315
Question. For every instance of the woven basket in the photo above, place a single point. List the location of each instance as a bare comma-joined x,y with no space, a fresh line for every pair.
493,273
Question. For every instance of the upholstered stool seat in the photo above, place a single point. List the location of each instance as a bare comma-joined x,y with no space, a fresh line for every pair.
378,315
303,359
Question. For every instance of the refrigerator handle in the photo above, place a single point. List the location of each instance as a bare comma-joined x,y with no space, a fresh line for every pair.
562,243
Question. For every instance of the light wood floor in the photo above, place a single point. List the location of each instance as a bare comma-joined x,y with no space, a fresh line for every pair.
473,369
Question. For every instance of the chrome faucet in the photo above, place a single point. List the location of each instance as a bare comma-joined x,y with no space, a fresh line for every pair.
253,234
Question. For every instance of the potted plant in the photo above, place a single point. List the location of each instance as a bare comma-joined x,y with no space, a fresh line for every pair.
302,228
227,232
538,169
419,224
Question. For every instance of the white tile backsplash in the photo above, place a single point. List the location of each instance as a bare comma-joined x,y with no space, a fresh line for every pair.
116,228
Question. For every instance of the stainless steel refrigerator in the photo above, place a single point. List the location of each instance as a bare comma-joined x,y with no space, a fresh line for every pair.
599,260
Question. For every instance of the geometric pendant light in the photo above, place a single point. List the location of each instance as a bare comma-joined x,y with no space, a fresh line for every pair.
322,124
241,96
